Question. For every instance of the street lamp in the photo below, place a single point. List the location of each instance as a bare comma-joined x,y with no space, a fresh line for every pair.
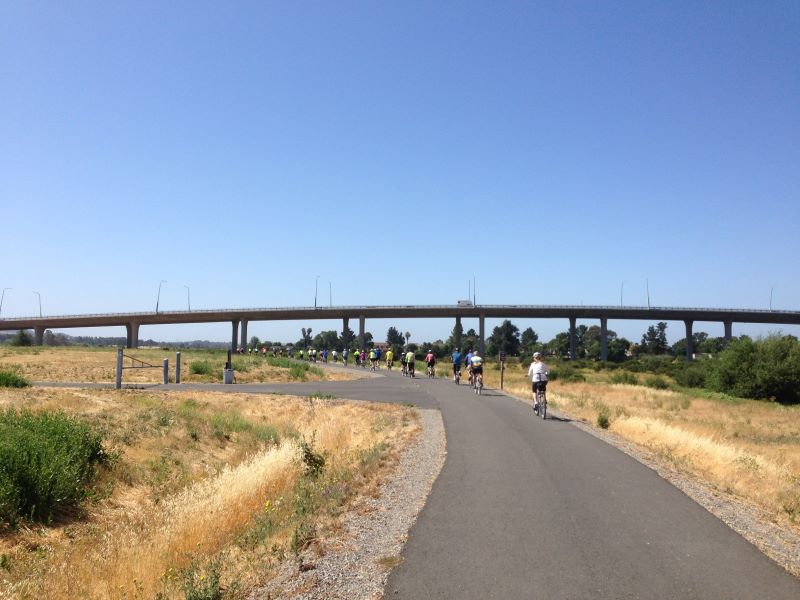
330,295
770,296
2,297
188,298
158,298
621,287
316,286
40,303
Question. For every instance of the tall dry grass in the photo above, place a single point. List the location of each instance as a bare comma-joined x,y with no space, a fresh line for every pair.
139,544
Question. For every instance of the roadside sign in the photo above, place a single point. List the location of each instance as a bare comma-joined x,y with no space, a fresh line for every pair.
502,357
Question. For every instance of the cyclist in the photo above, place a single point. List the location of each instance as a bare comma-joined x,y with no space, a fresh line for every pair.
378,357
430,359
476,367
468,365
363,359
410,362
403,363
344,356
538,374
456,365
373,359
389,358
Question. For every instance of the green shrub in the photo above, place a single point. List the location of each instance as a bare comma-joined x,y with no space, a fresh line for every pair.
761,369
200,367
693,374
13,379
566,373
47,461
656,382
624,377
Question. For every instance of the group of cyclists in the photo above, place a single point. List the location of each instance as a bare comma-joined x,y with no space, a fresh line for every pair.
472,361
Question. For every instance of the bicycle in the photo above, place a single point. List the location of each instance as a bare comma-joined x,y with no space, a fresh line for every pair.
457,376
540,402
479,384
431,371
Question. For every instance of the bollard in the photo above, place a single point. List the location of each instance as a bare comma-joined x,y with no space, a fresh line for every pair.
166,371
119,369
177,367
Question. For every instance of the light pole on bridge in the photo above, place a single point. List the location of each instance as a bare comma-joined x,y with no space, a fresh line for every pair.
188,298
2,297
40,303
316,287
158,298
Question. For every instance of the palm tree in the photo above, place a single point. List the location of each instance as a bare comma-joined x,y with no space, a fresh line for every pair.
408,336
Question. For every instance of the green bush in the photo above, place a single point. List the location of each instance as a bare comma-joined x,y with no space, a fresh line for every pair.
47,461
200,367
567,373
656,382
12,379
761,369
693,374
624,377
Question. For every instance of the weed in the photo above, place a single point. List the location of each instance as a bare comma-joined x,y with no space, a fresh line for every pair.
200,367
203,583
302,535
624,377
656,382
313,461
387,563
9,378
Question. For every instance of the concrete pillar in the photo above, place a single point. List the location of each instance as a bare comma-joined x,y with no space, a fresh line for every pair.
345,331
38,333
728,331
244,333
603,339
482,334
361,342
177,367
689,348
458,333
132,330
573,340
235,335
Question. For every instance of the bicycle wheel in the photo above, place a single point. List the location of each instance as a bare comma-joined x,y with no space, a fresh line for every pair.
543,407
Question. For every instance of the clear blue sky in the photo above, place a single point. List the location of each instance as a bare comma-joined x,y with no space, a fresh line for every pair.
397,149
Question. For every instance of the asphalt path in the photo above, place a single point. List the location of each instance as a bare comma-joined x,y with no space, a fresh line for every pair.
525,508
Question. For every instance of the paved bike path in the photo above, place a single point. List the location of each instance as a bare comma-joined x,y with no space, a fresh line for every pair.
531,509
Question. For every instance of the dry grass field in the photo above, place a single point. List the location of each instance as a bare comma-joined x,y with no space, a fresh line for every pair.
747,448
205,492
98,365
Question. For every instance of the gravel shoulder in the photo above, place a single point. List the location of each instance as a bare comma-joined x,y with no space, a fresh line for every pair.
357,564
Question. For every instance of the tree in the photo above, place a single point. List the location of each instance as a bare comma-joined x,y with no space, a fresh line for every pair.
529,338
408,336
394,337
326,340
255,342
347,338
22,338
559,345
470,341
654,341
504,338
761,369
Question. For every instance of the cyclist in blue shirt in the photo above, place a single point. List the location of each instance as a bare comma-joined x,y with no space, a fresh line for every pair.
456,365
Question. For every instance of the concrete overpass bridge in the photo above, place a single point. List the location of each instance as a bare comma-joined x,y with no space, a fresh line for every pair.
240,317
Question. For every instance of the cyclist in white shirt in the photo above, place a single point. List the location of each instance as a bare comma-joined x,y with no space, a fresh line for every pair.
538,374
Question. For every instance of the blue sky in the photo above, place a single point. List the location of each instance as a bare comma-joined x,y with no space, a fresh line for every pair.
551,150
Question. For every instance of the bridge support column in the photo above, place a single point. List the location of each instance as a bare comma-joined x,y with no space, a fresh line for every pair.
361,342
458,333
728,331
244,333
234,335
38,333
573,340
132,330
345,332
603,339
482,334
689,340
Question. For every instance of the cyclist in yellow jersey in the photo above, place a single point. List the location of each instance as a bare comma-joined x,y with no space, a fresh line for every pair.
389,358
410,363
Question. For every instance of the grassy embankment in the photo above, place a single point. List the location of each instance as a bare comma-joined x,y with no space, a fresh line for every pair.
747,448
202,492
